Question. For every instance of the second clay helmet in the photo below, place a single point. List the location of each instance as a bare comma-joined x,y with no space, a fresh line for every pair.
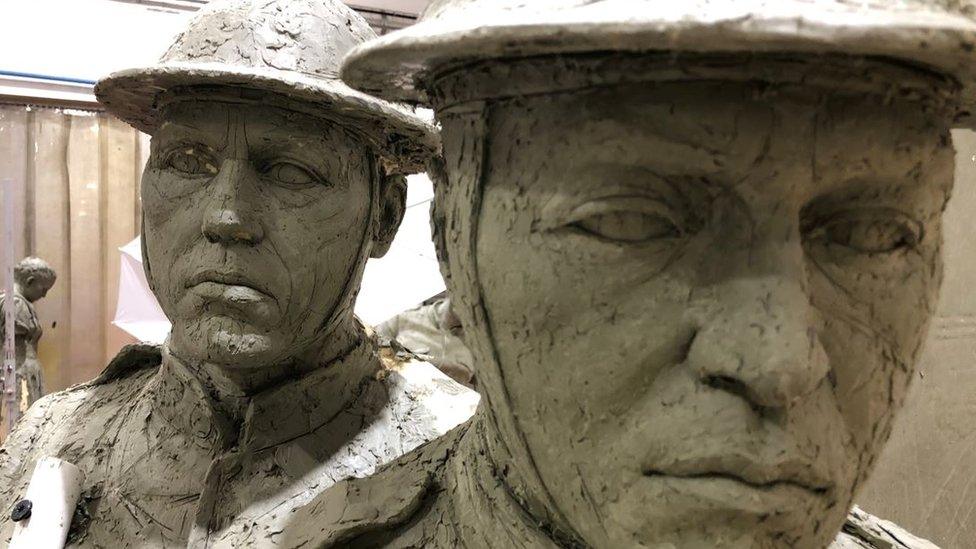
287,48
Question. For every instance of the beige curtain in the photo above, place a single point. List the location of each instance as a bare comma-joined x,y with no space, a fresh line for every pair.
76,176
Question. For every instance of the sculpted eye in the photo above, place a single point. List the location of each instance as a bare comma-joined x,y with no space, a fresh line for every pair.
626,219
628,226
190,160
290,175
870,231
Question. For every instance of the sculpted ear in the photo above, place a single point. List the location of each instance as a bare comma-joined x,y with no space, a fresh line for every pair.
392,205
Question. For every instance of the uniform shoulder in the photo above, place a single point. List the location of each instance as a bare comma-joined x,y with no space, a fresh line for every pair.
55,424
130,360
865,531
390,498
52,409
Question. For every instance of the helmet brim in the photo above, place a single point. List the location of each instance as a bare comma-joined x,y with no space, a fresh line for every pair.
402,137
402,65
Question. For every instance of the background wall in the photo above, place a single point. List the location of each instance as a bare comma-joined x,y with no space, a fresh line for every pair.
75,175
408,6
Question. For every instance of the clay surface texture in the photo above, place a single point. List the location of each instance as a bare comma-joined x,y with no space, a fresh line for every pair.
267,188
433,332
695,247
165,468
695,287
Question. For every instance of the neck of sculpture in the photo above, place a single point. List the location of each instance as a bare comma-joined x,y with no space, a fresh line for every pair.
232,388
489,485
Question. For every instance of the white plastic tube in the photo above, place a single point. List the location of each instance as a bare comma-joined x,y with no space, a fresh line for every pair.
53,492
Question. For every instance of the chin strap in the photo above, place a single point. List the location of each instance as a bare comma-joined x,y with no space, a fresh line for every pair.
457,209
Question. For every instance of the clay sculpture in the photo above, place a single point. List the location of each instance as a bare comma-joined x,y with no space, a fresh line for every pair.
269,185
695,247
33,279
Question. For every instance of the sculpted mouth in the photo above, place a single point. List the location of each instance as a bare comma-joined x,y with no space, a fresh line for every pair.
751,474
728,476
227,279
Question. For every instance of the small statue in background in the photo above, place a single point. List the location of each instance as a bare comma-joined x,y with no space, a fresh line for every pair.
33,279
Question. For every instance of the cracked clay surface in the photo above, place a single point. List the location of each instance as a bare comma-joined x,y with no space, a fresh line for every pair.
700,347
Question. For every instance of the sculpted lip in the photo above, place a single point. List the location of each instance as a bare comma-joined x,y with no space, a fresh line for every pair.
797,473
228,279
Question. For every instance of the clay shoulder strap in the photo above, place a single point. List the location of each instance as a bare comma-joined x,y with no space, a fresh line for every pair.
131,359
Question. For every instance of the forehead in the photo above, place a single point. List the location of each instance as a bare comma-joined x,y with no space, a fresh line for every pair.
729,131
218,121
695,121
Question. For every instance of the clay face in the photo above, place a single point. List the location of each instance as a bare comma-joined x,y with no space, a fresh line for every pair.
706,299
35,288
257,223
33,278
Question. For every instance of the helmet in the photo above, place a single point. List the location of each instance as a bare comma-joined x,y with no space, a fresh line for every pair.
939,35
289,47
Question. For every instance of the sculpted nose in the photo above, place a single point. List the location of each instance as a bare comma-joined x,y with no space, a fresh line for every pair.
761,343
231,216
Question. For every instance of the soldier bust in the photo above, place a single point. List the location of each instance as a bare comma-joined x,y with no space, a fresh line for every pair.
33,279
269,185
695,247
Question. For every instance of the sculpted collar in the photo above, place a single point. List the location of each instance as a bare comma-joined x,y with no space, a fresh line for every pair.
449,493
277,415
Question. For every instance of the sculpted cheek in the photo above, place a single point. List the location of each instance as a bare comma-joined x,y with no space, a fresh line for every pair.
156,207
